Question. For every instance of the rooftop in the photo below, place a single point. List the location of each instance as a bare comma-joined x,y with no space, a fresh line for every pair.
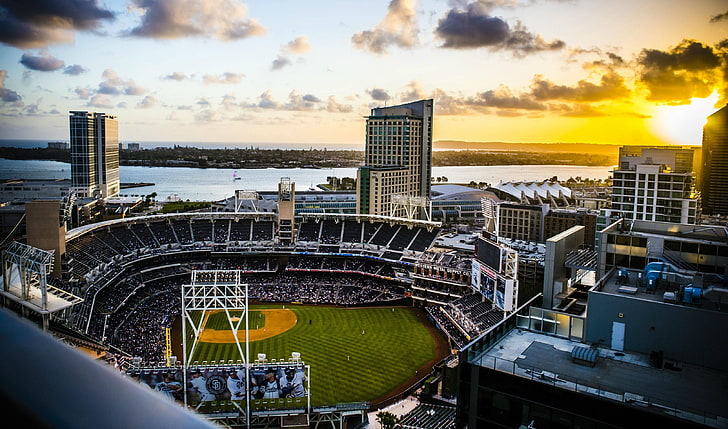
629,282
689,392
459,193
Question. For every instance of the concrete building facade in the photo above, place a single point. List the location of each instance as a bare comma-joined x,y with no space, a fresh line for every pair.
521,221
560,220
656,183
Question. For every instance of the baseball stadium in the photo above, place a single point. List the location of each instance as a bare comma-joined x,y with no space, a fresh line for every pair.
325,299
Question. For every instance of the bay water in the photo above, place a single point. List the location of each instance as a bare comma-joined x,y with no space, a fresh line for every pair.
212,184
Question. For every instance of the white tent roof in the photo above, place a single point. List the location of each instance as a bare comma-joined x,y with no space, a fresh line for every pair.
541,188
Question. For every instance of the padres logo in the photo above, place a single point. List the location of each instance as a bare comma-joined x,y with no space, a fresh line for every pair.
216,384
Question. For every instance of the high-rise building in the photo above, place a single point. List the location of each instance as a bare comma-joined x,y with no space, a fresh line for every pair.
94,154
656,183
397,162
714,172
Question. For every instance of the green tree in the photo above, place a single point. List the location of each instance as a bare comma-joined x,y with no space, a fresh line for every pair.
387,420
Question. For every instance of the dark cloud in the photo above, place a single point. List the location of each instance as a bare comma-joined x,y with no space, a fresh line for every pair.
398,28
8,95
114,85
108,88
414,92
178,76
43,62
473,27
720,17
335,107
690,69
280,62
174,19
503,98
83,93
133,89
310,98
39,23
379,94
266,101
610,87
147,102
101,101
297,102
74,70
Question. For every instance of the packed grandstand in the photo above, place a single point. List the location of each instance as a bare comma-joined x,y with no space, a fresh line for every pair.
129,273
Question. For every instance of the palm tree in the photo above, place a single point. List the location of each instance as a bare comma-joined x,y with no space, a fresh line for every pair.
387,420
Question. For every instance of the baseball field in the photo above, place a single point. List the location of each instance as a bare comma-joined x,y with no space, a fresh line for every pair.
358,354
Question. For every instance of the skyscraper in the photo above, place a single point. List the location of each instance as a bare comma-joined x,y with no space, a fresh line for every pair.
714,173
94,154
397,161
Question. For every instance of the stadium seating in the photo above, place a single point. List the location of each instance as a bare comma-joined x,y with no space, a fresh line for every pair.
429,416
137,266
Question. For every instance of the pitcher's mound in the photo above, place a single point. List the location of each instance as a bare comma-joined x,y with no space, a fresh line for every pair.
277,321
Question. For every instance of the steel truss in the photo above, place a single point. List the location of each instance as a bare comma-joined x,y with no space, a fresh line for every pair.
212,290
25,272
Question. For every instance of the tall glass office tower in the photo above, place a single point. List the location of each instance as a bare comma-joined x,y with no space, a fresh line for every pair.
714,172
397,159
94,154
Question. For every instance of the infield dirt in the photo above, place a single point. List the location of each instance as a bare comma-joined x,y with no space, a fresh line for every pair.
277,321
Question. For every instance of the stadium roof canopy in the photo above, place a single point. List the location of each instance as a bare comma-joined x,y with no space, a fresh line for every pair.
459,192
543,189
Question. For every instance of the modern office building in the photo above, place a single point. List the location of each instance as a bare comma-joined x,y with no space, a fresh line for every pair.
656,183
94,154
714,172
395,178
521,221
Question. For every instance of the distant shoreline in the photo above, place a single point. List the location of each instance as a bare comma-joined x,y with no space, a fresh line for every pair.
251,158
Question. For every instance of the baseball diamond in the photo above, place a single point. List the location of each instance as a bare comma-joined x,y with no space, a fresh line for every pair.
276,321
355,353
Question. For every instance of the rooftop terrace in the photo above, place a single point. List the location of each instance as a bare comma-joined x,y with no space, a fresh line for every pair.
689,392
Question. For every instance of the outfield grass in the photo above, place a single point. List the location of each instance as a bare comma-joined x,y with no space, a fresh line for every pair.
346,365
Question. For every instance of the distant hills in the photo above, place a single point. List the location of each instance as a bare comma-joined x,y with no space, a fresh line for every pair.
611,150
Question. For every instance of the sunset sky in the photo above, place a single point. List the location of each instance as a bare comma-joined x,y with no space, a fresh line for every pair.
290,71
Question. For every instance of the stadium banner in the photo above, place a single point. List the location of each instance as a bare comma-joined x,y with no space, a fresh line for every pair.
483,279
270,386
277,382
223,388
168,382
475,275
504,294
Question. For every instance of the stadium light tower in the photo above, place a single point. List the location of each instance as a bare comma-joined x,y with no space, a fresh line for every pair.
411,205
241,196
213,290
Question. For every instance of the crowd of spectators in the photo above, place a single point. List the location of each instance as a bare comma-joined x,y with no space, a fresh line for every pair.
476,312
131,315
95,251
130,297
457,337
